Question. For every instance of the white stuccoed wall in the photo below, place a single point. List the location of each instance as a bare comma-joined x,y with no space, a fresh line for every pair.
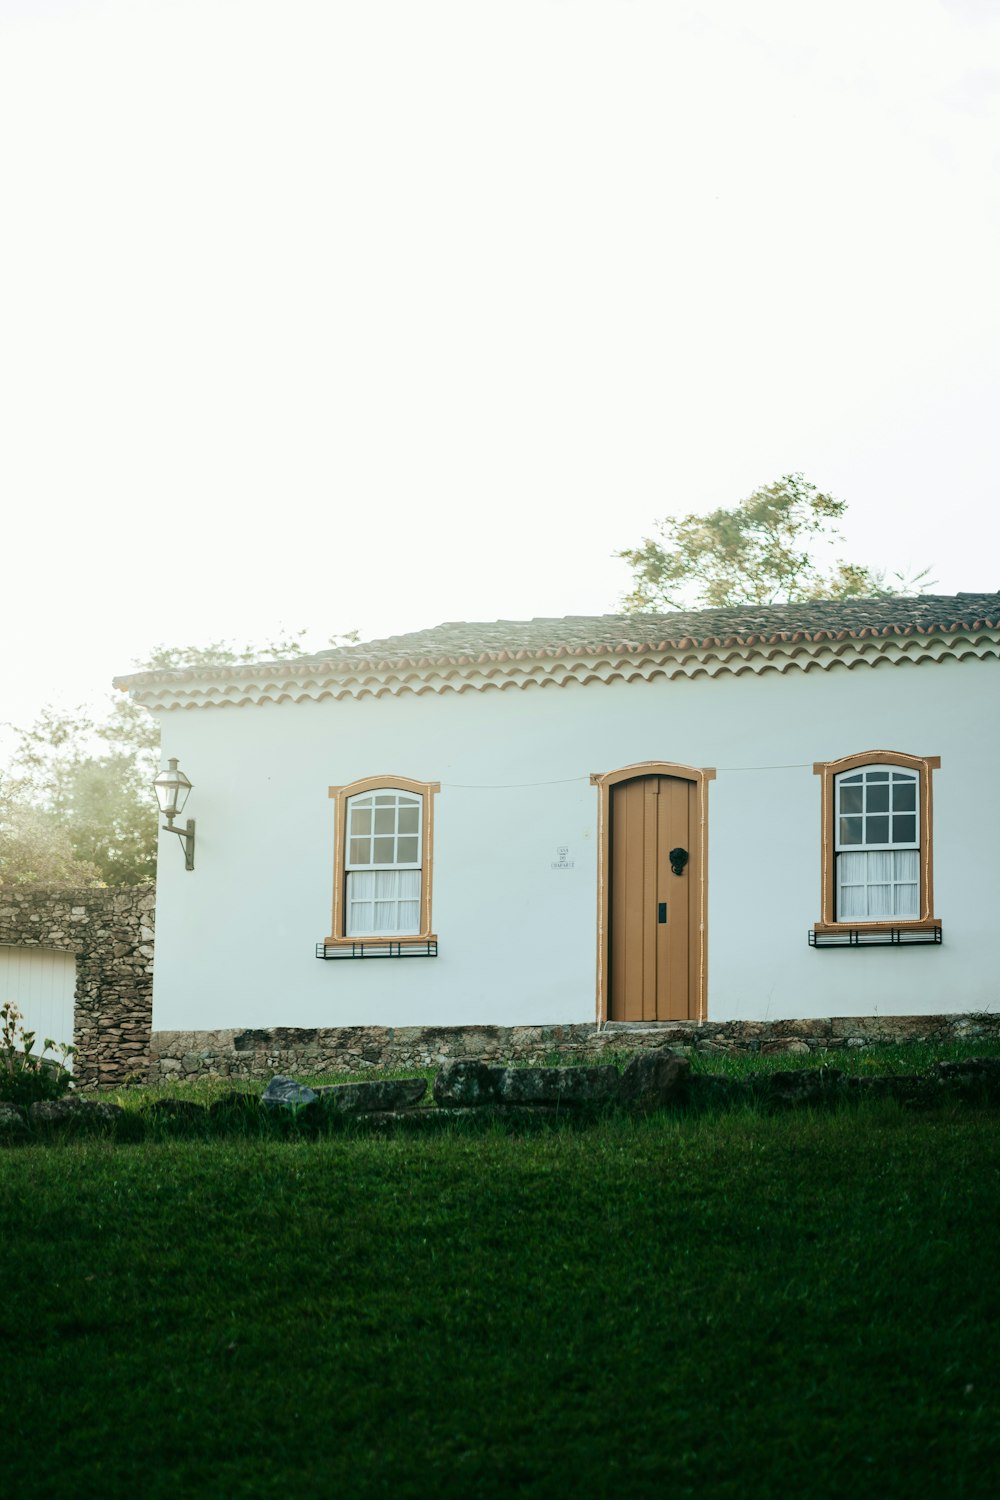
236,937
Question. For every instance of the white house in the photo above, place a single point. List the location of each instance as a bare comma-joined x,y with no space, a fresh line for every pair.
790,811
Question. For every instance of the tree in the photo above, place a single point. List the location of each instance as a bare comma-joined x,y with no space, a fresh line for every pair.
35,848
759,552
76,807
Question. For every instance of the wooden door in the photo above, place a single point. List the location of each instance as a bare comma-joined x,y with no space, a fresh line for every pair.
652,911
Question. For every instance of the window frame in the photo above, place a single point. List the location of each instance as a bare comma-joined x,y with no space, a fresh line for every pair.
829,771
342,796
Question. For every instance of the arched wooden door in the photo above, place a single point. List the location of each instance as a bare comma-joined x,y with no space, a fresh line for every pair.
652,958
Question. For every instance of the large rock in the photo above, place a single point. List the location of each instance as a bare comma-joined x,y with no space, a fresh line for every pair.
12,1121
798,1086
75,1114
364,1098
177,1109
286,1093
655,1080
906,1088
558,1085
972,1077
467,1082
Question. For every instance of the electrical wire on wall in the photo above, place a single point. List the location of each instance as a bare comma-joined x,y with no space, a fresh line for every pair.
511,786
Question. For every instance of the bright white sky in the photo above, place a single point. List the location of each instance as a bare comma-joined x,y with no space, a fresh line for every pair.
381,313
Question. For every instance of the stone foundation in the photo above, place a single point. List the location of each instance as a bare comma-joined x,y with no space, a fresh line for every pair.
110,933
358,1049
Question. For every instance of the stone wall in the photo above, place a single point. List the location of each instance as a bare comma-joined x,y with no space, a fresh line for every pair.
357,1049
110,933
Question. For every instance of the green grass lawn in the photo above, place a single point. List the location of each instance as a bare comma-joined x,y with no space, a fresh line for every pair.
727,1305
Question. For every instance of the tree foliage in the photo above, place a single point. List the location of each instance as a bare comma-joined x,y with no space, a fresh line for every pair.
76,805
759,552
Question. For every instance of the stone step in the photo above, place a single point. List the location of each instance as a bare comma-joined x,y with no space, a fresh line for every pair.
632,1027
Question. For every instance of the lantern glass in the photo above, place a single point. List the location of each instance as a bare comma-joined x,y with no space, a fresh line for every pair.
172,788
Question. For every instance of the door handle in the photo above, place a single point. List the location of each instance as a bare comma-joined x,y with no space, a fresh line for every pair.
661,912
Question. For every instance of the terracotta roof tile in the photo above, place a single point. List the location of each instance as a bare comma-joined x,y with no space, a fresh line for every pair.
572,635
816,620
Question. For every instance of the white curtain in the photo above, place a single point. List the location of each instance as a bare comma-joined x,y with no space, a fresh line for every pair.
879,884
383,903
908,883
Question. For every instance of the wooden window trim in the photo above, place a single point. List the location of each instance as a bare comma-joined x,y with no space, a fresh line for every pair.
604,783
341,795
828,771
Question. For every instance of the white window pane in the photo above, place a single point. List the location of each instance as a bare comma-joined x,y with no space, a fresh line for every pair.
880,900
359,919
409,885
881,866
409,916
907,865
385,916
906,901
852,902
361,886
852,868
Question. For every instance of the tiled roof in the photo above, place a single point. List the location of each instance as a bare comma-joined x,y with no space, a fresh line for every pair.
602,635
822,619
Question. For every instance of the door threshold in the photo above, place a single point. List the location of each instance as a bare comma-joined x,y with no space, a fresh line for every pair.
633,1026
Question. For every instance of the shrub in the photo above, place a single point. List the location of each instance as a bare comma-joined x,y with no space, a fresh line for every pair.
26,1076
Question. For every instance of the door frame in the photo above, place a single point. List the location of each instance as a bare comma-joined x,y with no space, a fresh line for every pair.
604,781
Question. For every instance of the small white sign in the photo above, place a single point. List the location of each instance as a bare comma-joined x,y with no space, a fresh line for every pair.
562,860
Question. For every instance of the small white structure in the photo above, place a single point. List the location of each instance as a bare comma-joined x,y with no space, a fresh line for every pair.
42,984
754,814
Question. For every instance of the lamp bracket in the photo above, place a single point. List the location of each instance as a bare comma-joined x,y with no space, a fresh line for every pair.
186,836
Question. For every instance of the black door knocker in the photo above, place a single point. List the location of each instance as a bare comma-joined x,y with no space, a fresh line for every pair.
678,859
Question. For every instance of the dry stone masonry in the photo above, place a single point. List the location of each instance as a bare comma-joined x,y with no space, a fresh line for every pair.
359,1049
110,933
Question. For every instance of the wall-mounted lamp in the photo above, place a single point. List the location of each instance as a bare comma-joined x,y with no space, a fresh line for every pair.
172,788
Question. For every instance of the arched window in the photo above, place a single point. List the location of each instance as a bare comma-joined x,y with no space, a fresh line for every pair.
878,868
877,844
383,845
382,889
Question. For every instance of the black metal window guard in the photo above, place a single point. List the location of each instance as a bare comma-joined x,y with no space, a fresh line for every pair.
379,948
881,937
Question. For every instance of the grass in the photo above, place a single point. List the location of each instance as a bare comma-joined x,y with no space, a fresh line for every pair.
883,1058
730,1305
